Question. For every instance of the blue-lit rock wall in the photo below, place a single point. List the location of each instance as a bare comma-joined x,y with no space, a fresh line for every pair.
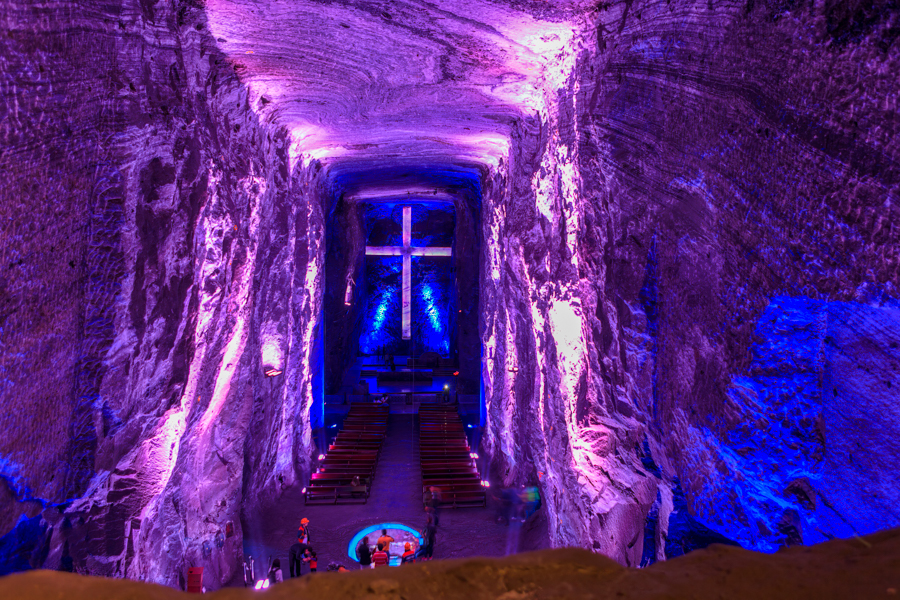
433,285
702,165
814,455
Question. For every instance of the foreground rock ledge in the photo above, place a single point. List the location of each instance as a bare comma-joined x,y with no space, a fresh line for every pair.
856,568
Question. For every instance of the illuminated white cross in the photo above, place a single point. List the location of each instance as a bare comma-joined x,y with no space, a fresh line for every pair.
406,251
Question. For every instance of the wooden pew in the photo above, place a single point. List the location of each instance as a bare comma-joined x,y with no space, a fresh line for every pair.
354,444
345,471
443,454
451,478
436,468
336,494
459,498
333,479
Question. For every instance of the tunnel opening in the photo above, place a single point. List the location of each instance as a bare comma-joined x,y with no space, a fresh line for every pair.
401,288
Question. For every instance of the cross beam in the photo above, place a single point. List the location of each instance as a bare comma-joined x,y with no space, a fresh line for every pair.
407,252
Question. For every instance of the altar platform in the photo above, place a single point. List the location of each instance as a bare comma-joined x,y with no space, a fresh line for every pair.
406,387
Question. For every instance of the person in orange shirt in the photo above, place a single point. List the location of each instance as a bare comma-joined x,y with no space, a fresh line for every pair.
303,531
380,558
408,555
385,540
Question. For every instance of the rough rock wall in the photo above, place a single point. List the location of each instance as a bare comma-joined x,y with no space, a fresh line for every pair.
702,161
702,184
151,237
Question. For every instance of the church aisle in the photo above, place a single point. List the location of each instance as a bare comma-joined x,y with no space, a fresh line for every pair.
396,496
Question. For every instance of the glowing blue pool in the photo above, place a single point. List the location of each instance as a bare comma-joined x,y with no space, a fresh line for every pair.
393,529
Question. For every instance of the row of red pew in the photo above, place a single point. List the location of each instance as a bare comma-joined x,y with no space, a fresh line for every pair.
449,475
345,473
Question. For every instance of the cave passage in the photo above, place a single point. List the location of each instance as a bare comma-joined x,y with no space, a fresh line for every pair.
640,257
401,304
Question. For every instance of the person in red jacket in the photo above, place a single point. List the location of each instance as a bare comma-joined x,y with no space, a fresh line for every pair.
303,531
408,555
380,558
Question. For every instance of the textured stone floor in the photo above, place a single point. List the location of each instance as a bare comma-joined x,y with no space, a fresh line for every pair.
395,497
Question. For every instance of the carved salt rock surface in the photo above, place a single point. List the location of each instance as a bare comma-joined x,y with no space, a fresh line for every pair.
171,228
380,80
545,405
840,569
862,441
49,153
813,458
653,176
724,181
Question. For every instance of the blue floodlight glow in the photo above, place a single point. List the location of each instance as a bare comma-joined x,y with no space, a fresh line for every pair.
375,336
351,549
430,309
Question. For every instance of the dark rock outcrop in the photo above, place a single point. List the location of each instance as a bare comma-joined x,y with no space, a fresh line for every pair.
837,569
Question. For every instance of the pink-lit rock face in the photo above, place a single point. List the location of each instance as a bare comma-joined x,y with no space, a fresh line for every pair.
155,230
698,162
382,80
657,179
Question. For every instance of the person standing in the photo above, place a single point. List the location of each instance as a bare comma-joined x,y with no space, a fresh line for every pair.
386,541
303,531
380,558
364,554
295,558
436,499
427,549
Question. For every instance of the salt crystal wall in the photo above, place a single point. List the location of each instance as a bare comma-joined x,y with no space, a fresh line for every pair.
687,275
691,279
160,250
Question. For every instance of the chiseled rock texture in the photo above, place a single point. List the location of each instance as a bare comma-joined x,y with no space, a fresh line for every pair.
154,230
688,263
706,169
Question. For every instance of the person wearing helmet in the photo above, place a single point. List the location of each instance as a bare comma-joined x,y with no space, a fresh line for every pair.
303,531
408,555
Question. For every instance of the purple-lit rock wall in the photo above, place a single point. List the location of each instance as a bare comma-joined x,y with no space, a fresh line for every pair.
702,161
688,261
158,253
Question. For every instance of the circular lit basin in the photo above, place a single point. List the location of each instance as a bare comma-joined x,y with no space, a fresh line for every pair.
400,532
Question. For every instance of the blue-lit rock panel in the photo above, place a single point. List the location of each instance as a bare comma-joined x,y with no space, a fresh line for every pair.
814,455
433,285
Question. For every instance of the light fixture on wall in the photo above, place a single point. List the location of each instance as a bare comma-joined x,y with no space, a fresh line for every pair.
272,346
348,294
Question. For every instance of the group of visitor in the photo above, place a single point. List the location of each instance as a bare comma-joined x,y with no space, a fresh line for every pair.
380,556
301,553
517,503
